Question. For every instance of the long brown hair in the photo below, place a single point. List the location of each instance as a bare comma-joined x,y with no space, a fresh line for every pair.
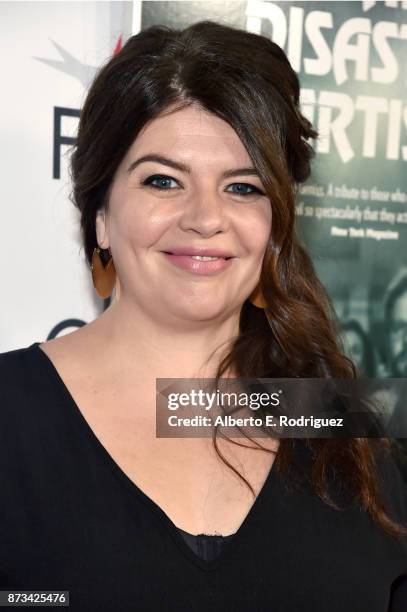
246,80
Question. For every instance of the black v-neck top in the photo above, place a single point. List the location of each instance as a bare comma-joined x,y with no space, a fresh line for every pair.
70,519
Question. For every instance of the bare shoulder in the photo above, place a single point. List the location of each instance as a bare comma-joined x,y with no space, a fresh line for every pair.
81,364
74,351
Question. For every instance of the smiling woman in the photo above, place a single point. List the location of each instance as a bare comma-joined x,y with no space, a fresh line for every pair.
158,226
190,150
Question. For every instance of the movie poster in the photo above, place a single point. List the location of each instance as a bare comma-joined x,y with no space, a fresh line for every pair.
351,58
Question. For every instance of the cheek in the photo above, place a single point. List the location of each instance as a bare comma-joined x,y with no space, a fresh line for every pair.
255,228
139,224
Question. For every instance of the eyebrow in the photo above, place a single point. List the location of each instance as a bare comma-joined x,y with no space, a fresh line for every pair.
166,161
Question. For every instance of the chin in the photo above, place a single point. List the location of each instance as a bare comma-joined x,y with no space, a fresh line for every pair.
203,315
198,312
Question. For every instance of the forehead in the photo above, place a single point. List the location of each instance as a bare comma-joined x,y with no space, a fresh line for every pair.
189,131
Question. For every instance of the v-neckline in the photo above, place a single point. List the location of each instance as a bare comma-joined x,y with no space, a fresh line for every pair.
135,490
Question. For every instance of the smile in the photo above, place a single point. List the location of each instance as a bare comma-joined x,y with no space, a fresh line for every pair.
199,264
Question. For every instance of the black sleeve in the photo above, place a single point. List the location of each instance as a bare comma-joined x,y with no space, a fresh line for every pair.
393,485
398,600
395,489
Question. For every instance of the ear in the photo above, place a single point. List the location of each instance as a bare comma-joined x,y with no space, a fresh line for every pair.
101,229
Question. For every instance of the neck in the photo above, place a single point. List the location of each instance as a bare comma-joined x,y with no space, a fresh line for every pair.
141,345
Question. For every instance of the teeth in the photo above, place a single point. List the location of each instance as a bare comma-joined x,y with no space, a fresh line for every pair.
202,258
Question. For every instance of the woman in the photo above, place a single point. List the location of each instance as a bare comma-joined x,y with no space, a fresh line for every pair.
190,147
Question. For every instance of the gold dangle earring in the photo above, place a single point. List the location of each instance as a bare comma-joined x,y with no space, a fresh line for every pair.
103,275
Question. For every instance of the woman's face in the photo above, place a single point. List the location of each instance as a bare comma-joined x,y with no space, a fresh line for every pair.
200,199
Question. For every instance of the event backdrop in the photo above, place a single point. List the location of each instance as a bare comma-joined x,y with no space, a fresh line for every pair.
352,213
50,52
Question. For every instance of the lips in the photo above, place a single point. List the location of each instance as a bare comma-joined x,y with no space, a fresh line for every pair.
198,257
201,261
200,252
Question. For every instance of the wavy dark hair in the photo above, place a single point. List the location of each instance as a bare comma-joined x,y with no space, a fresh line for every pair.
246,80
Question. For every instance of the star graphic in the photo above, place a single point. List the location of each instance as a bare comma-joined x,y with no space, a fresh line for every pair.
69,64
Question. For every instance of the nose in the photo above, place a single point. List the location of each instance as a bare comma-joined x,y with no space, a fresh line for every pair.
205,213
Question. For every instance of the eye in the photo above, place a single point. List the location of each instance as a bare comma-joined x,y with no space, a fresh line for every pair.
242,191
162,179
